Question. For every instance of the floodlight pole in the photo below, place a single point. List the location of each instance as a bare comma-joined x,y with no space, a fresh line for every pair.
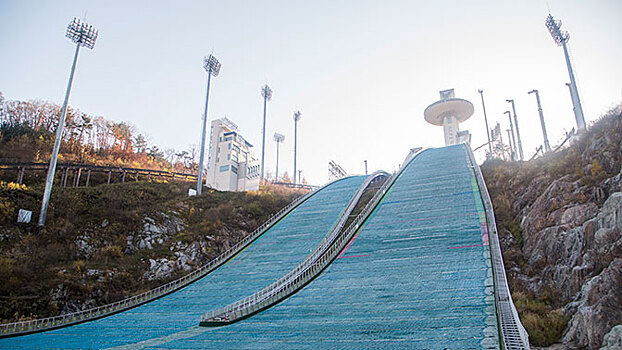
520,144
481,93
547,147
83,35
365,167
212,66
510,141
513,140
266,93
574,93
561,39
277,161
297,117
278,138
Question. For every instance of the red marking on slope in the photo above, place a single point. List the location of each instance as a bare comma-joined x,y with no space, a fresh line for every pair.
347,247
484,228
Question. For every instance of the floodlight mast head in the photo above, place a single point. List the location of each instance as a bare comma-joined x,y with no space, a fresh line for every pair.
560,37
279,137
211,65
266,92
81,33
297,116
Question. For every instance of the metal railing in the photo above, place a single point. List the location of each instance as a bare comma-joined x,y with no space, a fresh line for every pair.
38,325
312,265
513,334
64,169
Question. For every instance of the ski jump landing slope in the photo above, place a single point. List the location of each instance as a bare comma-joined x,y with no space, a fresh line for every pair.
274,253
416,275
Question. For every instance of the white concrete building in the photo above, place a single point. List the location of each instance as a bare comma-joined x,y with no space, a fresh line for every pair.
450,112
231,166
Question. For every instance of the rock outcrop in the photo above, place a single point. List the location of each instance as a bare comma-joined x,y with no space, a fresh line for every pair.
560,225
613,339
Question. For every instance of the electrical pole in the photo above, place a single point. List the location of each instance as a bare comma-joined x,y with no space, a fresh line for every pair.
83,35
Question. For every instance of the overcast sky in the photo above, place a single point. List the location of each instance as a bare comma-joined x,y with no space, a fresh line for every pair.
361,72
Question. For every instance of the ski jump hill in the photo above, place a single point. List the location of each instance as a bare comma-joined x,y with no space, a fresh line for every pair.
417,266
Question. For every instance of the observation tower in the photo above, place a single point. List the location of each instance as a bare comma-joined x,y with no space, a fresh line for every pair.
450,112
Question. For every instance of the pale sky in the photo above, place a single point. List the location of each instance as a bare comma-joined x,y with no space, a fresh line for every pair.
361,72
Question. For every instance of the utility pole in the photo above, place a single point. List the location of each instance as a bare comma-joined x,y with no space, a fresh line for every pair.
83,35
212,67
365,167
266,93
547,147
561,39
520,144
297,117
481,93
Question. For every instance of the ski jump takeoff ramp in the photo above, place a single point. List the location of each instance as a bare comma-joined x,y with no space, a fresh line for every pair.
423,271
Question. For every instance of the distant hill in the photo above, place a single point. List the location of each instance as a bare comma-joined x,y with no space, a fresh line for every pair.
560,224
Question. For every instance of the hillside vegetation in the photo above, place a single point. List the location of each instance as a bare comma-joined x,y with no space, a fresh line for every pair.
104,243
560,222
27,134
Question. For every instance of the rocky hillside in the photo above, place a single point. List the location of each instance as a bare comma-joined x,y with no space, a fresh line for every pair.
560,224
104,243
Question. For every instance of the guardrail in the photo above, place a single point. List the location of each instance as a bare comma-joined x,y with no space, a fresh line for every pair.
513,334
64,168
38,325
311,266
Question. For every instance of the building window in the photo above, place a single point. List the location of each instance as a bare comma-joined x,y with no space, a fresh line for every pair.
224,168
228,156
229,145
234,169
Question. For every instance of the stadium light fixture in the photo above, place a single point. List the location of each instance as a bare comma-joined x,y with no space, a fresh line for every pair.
266,93
82,34
212,67
561,38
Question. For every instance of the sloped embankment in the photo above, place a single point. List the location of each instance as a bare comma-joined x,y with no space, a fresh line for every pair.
104,243
560,222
